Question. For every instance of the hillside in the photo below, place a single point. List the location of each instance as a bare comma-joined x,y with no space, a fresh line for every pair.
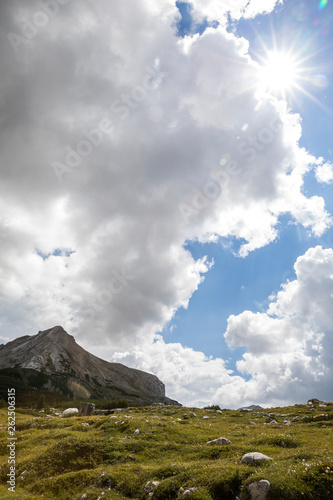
53,361
163,453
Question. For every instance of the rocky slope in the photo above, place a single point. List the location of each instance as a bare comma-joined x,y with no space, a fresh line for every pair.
53,361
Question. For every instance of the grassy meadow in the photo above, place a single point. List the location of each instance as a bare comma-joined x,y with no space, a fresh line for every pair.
114,456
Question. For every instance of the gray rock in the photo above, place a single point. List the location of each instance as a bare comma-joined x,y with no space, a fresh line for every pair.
150,487
22,475
270,420
188,493
70,412
254,458
306,418
295,419
287,421
256,491
314,401
68,367
219,441
86,409
251,422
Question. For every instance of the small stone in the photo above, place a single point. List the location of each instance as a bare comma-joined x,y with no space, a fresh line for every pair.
188,493
251,422
270,420
22,475
295,419
257,490
205,417
150,486
219,441
314,401
136,432
254,458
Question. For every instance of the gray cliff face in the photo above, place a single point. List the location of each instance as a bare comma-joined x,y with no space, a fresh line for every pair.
67,367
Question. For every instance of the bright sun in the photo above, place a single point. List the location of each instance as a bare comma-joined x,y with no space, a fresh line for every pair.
278,73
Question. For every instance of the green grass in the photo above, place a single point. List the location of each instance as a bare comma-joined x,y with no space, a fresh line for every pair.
63,459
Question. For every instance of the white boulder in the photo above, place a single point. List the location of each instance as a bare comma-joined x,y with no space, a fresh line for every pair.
254,458
70,412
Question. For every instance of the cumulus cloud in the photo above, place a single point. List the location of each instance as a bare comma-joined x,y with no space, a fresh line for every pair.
119,143
289,346
324,171
219,10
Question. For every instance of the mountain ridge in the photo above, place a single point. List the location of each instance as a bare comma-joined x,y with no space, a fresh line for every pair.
52,360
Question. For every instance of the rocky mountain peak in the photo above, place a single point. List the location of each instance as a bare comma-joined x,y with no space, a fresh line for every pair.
55,362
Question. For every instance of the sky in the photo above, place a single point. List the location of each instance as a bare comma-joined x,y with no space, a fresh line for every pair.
166,189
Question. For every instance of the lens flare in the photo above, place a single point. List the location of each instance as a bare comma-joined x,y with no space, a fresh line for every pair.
322,4
278,73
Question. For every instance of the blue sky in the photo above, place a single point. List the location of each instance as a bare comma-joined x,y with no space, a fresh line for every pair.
132,159
236,284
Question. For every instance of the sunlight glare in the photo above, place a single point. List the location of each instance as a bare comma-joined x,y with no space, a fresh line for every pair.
278,73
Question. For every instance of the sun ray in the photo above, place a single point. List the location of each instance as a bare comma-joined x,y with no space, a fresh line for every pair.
287,67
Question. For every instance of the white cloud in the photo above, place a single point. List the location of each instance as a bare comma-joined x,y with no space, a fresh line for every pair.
324,171
289,346
218,10
186,129
288,355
